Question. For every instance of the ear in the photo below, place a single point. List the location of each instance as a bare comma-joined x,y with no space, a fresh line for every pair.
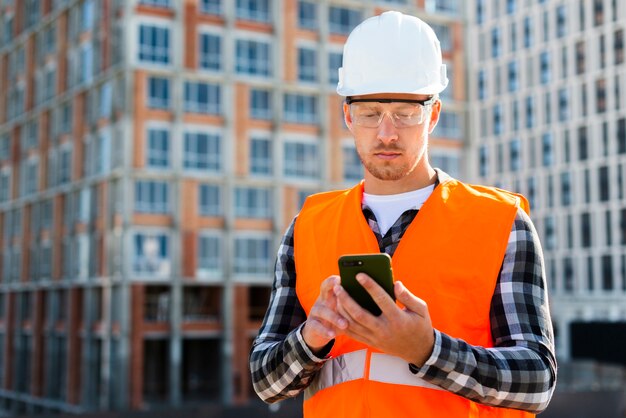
435,112
347,118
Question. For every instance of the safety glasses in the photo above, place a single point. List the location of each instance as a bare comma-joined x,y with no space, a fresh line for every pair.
403,113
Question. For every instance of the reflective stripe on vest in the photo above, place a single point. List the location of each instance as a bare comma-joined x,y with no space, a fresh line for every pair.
351,366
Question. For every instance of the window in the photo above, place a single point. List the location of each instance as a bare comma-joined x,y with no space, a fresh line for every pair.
622,226
497,119
607,273
301,160
550,236
587,186
29,176
608,227
582,143
598,12
601,95
547,113
151,196
202,98
480,11
481,85
5,185
252,255
209,200
156,304
156,3
483,158
531,191
158,93
515,115
307,65
514,154
151,254
260,156
548,157
253,58
621,136
352,168
5,146
253,202
585,224
566,189
530,109
85,63
209,255
528,32
564,62
580,57
561,21
603,178
154,44
618,46
65,165
513,77
495,43
256,10
210,51
449,125
445,6
601,51
545,67
260,104
563,104
87,15
511,6
307,15
202,152
444,34
334,63
343,20
158,148
299,108
211,6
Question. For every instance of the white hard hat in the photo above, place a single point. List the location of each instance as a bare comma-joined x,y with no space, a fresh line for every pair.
392,53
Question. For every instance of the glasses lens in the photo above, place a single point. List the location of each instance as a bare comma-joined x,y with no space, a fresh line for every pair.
370,115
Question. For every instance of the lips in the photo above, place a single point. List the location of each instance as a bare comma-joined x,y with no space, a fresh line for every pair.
387,155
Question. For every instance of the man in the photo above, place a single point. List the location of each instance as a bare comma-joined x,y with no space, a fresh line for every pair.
471,335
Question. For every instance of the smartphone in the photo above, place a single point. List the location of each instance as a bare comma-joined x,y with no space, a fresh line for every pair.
377,266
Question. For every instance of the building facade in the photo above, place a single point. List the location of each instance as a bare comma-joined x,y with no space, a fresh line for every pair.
548,79
152,152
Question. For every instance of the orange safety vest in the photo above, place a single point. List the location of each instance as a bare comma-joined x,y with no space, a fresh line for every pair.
450,256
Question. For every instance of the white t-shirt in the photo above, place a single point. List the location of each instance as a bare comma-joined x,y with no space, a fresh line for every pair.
388,208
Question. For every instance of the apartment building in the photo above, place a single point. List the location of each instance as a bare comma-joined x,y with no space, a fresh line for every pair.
151,155
548,80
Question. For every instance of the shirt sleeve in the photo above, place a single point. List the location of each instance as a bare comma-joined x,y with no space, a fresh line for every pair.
520,370
281,363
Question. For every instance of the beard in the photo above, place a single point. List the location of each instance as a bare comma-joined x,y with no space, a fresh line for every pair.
387,170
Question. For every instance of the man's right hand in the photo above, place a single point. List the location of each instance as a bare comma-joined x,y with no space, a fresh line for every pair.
324,322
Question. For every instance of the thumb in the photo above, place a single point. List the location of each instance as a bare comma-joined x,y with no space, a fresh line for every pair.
409,300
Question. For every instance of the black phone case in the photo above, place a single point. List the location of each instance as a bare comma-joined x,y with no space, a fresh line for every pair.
377,266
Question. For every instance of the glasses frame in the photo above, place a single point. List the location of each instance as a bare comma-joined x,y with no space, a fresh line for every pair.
424,103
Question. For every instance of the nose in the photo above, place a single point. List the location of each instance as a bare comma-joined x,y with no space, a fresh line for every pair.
387,132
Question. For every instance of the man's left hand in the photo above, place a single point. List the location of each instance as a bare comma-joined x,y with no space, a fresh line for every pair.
403,332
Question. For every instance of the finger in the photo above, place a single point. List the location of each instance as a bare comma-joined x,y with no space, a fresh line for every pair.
320,328
325,314
351,310
380,296
326,289
409,300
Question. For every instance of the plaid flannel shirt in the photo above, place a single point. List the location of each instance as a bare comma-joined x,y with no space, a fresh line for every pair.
518,372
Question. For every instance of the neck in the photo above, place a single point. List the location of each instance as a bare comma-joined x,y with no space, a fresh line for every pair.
418,179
